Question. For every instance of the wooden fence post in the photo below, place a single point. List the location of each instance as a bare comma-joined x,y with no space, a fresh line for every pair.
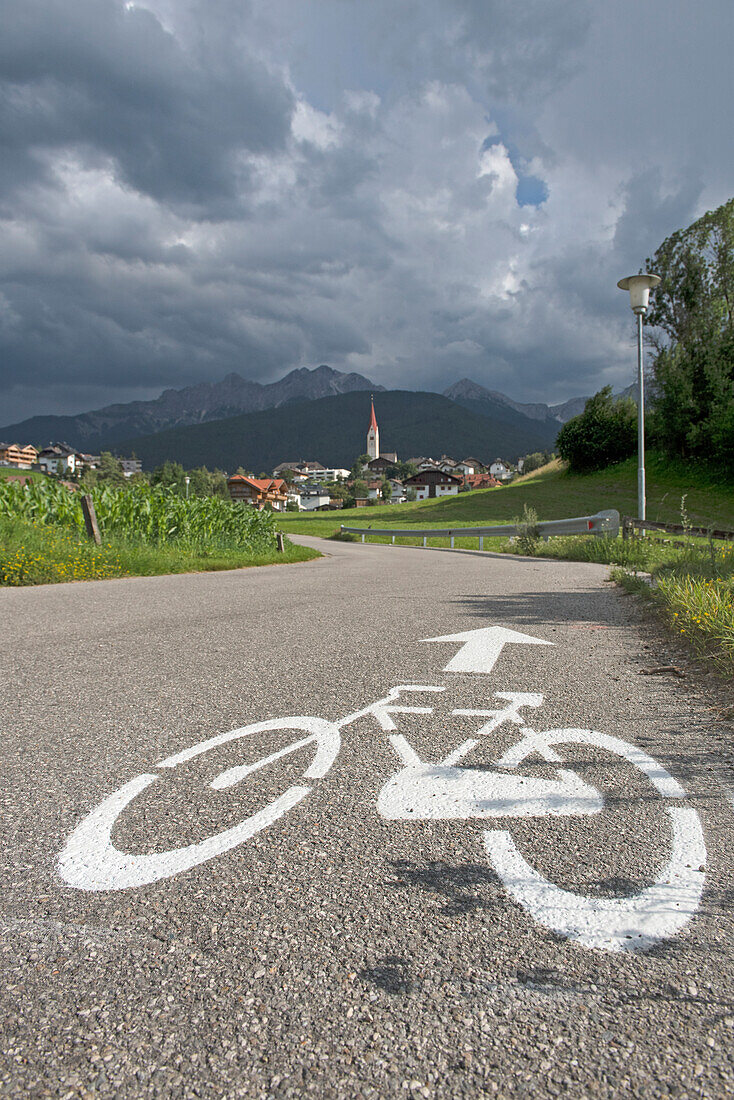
90,520
281,542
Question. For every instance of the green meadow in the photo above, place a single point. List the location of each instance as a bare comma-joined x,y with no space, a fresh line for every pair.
553,494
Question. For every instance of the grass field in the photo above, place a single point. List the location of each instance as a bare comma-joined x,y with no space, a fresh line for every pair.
553,494
13,471
38,554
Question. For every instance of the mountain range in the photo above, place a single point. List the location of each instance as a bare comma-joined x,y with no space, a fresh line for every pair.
237,422
472,395
108,427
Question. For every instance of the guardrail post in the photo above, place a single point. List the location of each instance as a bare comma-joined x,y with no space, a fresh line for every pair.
452,542
481,542
425,541
393,540
362,538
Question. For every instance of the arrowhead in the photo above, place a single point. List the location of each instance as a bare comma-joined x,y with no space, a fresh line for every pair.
482,647
496,634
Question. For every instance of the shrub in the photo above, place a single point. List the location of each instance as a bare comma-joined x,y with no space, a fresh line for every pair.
528,532
604,433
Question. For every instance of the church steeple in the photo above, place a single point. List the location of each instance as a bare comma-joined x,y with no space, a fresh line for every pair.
373,434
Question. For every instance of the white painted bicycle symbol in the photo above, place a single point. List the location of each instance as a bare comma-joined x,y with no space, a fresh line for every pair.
424,791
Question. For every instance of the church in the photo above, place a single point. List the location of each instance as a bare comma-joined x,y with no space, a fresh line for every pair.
378,462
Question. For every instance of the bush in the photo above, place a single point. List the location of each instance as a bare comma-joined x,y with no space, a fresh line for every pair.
528,532
604,433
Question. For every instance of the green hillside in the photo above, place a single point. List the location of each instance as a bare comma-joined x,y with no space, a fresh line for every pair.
332,431
553,493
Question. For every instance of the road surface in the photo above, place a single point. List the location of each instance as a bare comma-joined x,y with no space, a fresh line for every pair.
368,893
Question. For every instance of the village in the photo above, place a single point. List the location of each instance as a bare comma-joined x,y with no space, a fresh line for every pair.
376,477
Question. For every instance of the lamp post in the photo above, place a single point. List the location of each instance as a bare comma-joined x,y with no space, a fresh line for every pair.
187,480
639,287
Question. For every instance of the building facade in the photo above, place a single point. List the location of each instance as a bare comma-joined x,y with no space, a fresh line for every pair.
259,491
433,483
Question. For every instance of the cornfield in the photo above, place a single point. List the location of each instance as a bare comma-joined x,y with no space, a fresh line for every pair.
144,514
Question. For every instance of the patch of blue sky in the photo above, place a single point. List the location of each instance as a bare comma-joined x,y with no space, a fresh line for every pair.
531,190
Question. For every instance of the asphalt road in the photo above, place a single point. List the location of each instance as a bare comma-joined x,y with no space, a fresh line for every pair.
391,921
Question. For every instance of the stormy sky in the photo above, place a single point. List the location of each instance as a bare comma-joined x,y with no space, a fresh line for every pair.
418,190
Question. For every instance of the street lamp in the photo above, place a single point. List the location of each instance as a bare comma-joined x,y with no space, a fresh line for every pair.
187,480
639,287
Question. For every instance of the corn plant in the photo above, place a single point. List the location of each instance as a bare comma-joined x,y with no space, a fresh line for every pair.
150,515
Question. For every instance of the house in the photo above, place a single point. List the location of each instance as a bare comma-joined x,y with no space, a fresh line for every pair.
259,492
12,454
313,497
447,464
481,481
131,466
311,469
398,490
87,462
334,473
377,466
433,483
501,470
57,458
478,467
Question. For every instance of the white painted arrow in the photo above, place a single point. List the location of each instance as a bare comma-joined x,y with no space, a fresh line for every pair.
482,647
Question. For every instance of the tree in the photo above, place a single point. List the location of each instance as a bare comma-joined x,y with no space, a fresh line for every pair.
386,490
170,475
109,470
604,433
692,334
337,490
401,470
535,460
208,483
358,466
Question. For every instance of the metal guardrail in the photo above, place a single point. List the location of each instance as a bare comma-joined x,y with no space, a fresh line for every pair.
603,523
630,525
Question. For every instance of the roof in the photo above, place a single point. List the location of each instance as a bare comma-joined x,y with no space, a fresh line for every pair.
373,419
481,481
453,478
262,484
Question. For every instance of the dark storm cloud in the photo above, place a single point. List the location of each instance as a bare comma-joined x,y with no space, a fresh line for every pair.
418,191
110,82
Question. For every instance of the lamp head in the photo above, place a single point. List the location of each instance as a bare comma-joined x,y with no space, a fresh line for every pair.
639,287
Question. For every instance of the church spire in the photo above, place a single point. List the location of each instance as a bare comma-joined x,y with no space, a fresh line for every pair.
373,434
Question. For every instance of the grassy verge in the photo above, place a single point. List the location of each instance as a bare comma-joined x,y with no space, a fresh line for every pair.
49,555
694,592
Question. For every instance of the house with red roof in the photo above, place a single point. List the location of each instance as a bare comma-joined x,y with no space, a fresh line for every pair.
259,491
